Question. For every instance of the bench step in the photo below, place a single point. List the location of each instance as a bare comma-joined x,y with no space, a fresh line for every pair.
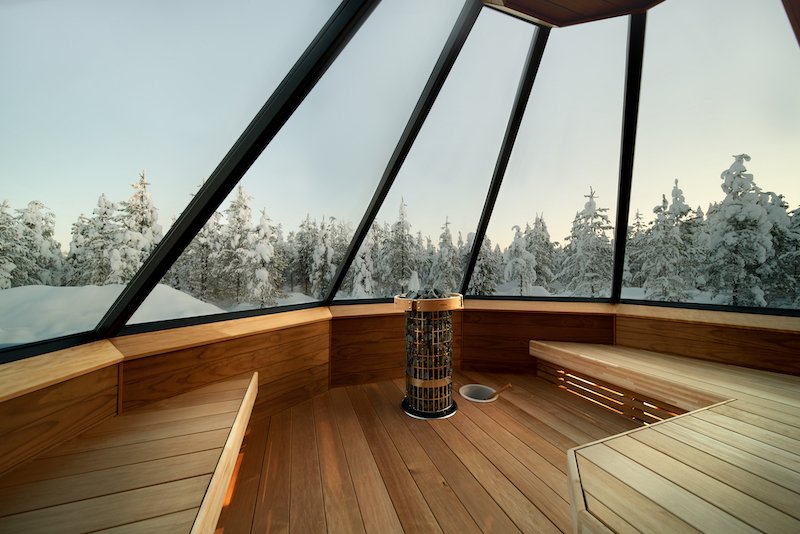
165,466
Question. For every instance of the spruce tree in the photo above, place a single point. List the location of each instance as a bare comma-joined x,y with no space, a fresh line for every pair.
486,272
739,239
520,263
237,248
9,244
322,267
400,253
663,269
42,263
138,220
587,257
445,272
264,286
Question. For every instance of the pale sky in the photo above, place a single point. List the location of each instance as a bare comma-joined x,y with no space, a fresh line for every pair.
93,92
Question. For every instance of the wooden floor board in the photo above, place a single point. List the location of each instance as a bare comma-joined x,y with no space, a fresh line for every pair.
449,511
272,502
376,506
489,468
412,510
341,505
307,505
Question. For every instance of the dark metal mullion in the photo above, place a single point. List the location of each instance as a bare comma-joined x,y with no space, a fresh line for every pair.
532,62
458,35
296,85
633,83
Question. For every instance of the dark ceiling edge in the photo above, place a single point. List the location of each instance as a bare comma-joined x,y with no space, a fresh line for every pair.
524,87
519,10
630,118
447,57
792,8
288,96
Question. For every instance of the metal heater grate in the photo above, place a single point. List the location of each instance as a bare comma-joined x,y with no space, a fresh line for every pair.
429,357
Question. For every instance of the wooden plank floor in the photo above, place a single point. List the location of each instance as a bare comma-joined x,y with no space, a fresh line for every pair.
350,460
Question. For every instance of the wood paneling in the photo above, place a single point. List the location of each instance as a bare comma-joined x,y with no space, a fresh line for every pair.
36,421
31,374
755,348
368,349
498,341
152,343
275,355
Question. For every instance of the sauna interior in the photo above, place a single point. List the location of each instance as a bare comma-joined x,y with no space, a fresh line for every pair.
610,184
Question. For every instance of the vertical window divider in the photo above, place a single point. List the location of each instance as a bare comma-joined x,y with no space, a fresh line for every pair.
630,114
531,68
447,58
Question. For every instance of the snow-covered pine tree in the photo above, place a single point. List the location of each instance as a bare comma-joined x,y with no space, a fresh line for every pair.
236,250
305,242
43,262
487,270
264,286
543,251
779,272
323,268
341,235
520,263
664,267
99,257
138,220
400,253
739,239
587,257
364,279
76,273
635,253
425,251
9,244
445,272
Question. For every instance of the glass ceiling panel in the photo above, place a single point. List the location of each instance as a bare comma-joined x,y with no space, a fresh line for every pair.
714,208
97,96
422,232
552,226
279,237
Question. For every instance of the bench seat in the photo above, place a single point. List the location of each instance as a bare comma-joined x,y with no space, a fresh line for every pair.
732,463
164,467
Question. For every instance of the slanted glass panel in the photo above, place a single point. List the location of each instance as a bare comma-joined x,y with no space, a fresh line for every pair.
422,233
279,237
551,229
714,209
98,96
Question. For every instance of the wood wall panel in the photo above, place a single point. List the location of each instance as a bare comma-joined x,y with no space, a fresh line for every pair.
274,355
757,349
498,341
37,421
371,349
367,349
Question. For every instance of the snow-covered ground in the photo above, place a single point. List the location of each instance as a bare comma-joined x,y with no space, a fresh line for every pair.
33,313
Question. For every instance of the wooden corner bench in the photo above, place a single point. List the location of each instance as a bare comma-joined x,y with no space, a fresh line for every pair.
164,467
731,463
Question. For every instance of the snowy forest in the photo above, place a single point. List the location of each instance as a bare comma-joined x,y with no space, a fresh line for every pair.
743,250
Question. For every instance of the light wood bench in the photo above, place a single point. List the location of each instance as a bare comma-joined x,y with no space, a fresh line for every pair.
164,467
731,464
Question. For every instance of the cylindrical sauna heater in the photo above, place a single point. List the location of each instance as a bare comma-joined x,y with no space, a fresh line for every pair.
429,355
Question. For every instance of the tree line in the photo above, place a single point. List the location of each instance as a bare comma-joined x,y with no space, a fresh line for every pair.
744,250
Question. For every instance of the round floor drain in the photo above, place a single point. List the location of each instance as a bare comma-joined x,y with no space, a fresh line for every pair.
478,393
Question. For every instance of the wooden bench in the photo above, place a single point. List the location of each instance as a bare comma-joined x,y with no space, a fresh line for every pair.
164,467
730,464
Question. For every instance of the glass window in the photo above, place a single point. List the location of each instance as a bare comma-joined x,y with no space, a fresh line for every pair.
98,96
280,236
714,206
422,234
552,226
